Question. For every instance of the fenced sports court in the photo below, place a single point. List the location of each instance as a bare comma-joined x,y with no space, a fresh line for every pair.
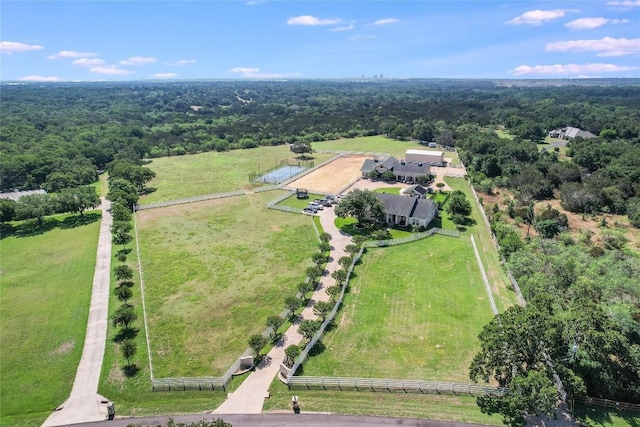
282,171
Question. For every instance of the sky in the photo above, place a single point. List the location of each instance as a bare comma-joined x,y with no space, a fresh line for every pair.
275,39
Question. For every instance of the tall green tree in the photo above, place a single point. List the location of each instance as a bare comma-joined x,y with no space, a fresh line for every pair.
458,204
361,204
78,199
124,316
34,206
128,349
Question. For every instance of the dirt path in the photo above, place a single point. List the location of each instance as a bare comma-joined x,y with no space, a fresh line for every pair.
249,397
84,403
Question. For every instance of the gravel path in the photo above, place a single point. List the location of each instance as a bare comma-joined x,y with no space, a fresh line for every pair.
84,403
249,397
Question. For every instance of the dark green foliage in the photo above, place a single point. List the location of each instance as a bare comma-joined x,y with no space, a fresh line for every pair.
345,261
458,204
325,237
130,171
124,293
120,213
35,206
322,308
274,322
78,199
256,342
313,273
123,272
308,328
7,210
305,287
123,192
324,246
334,291
124,316
340,276
291,353
361,204
128,349
292,304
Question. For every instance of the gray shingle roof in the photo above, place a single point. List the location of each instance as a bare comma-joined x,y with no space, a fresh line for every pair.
410,207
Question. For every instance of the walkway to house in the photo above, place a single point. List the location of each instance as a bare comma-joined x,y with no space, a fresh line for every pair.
84,403
249,397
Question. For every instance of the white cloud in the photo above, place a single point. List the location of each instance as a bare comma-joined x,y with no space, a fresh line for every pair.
70,54
139,60
385,21
362,37
344,28
11,47
110,70
577,69
537,17
163,75
591,23
88,62
606,46
39,79
312,20
624,3
181,62
257,74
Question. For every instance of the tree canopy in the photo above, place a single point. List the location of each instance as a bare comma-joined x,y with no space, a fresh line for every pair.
361,204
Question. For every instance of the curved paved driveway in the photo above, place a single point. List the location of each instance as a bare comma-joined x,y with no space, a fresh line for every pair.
84,403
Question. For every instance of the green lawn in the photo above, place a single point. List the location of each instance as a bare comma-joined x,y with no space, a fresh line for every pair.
294,202
214,271
213,172
505,134
46,288
595,416
388,190
414,312
378,144
500,285
427,406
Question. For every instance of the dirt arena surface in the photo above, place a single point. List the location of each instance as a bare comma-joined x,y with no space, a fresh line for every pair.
331,177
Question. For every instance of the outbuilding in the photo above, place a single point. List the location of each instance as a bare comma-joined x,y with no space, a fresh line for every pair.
434,158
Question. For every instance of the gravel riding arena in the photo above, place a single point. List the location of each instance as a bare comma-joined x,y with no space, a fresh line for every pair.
331,177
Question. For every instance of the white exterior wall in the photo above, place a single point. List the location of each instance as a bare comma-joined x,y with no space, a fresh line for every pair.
424,156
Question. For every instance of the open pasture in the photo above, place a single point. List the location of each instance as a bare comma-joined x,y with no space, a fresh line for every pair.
45,283
214,172
378,144
214,271
413,312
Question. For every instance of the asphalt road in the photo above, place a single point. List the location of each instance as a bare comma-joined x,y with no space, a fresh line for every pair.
279,420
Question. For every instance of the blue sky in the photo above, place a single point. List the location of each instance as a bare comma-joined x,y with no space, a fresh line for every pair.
127,40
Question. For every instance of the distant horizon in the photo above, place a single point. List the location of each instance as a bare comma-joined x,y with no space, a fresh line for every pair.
66,41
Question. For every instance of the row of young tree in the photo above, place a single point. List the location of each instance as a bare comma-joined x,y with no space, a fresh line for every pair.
59,135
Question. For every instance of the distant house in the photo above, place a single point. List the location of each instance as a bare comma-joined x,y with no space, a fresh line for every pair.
402,170
415,191
570,133
408,211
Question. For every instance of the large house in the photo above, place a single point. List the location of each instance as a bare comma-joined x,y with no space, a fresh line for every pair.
402,170
570,133
408,211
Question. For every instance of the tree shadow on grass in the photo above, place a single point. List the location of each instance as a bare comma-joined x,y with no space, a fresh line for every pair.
31,227
125,334
75,221
317,349
130,370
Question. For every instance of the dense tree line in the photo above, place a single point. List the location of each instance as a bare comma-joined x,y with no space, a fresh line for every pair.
59,135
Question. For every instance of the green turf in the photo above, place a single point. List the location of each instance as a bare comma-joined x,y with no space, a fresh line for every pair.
504,134
595,416
214,272
413,312
213,172
46,286
378,144
388,190
500,286
294,202
427,406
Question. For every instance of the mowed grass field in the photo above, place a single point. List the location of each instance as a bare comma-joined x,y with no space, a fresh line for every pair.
425,406
503,293
45,282
212,172
377,144
413,312
214,271
133,393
